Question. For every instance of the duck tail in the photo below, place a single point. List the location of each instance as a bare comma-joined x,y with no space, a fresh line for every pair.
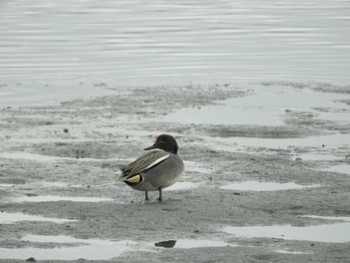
121,173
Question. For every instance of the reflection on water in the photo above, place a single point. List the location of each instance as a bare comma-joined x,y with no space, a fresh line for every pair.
167,42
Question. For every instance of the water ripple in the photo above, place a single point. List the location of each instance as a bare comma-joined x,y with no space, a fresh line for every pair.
170,42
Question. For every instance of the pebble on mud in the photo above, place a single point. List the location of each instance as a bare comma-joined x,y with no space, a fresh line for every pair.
31,259
167,243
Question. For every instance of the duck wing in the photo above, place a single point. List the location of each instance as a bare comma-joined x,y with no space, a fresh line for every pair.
144,162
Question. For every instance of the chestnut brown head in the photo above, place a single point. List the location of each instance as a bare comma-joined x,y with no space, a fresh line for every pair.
165,142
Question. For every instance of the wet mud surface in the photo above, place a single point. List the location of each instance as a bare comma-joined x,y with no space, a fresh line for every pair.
60,198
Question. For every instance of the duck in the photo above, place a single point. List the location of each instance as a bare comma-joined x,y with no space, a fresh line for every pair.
158,168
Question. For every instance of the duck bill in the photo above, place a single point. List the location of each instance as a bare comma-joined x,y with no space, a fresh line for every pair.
151,147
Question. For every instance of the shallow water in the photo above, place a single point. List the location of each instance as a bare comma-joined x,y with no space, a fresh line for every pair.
29,157
264,186
182,186
10,218
52,49
318,142
53,198
281,251
334,233
197,243
317,157
266,106
226,114
336,218
45,158
92,249
341,168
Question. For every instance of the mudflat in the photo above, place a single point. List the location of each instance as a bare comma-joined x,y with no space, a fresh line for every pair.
262,190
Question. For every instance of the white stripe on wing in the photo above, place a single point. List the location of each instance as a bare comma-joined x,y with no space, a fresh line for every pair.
157,161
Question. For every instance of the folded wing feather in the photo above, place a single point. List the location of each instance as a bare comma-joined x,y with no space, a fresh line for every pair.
144,162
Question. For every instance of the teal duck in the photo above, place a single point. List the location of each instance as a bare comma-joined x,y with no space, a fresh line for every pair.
156,169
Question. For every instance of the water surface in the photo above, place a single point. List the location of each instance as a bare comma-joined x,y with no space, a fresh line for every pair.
70,45
71,248
264,186
334,233
266,106
10,218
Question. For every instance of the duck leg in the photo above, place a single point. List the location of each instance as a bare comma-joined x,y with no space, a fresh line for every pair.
146,196
160,198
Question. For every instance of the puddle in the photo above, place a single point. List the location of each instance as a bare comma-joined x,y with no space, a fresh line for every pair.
312,141
264,186
51,185
46,158
10,218
46,140
333,233
179,186
194,243
57,198
341,168
226,114
340,218
316,157
325,141
196,167
43,184
29,157
332,116
6,186
281,251
266,107
92,249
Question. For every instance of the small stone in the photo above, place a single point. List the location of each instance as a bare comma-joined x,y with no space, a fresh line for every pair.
31,194
167,244
65,130
31,259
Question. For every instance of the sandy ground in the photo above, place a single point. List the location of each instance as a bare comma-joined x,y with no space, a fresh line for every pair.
73,150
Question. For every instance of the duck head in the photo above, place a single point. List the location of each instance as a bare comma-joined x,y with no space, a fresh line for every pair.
165,142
